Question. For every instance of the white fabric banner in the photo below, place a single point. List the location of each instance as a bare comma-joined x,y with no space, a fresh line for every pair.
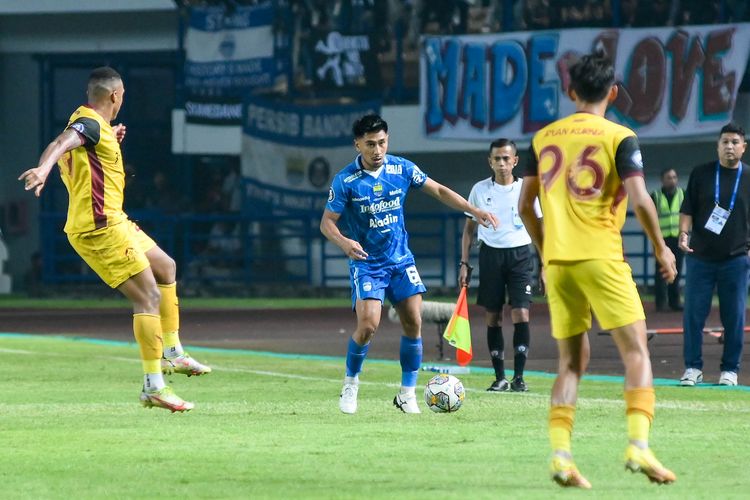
679,81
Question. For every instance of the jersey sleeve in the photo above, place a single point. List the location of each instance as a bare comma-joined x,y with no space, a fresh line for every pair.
414,174
532,164
88,129
337,199
628,159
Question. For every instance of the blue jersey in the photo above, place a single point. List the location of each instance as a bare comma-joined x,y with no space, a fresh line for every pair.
373,207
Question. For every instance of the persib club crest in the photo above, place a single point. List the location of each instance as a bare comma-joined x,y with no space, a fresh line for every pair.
377,189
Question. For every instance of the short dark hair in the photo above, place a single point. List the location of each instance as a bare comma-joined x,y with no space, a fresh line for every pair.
101,80
666,170
592,76
733,128
501,143
368,124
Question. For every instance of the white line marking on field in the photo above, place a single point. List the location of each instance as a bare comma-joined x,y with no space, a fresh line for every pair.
537,397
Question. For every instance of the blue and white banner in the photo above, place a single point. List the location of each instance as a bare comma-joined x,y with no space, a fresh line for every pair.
298,148
672,81
227,54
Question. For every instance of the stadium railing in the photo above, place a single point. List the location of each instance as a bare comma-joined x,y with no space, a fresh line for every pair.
226,250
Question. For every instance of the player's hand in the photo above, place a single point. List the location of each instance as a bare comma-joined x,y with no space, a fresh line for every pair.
487,219
683,242
355,251
667,263
120,131
34,178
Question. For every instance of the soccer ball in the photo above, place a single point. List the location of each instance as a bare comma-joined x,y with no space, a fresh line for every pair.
444,393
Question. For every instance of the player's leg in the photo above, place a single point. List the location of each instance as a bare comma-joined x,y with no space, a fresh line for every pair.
731,285
368,292
640,401
176,360
405,292
491,296
574,353
570,319
615,301
114,254
495,343
700,280
519,267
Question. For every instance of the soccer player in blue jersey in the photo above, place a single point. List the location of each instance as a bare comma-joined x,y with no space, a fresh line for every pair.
371,192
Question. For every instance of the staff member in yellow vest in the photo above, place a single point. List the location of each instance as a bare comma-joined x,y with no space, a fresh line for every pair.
668,201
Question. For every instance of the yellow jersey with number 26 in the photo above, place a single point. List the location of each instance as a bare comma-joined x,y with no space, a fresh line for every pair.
581,161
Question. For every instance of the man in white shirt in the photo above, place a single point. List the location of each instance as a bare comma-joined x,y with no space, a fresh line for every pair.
505,262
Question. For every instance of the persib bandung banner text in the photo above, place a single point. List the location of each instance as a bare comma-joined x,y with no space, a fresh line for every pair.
672,81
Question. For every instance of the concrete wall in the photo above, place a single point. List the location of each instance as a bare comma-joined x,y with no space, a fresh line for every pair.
19,150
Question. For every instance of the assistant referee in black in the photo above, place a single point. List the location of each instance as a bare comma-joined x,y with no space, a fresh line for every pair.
505,262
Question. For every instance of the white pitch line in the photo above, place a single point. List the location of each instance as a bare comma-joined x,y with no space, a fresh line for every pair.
661,404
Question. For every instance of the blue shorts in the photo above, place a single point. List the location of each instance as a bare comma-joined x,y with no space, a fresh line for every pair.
397,282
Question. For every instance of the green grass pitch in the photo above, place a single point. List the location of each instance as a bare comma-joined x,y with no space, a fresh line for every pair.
268,426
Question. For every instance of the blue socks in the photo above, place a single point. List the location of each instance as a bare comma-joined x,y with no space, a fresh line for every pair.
355,356
411,360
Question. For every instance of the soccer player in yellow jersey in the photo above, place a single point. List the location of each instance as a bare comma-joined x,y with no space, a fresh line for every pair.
88,154
583,168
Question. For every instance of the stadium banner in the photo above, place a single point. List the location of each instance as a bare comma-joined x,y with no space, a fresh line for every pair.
291,152
673,82
227,54
344,61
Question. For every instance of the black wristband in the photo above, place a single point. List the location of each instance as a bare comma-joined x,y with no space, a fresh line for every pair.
464,263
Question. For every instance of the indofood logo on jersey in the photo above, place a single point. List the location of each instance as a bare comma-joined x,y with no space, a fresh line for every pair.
381,206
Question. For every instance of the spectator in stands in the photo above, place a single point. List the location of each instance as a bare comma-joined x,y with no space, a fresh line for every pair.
536,14
699,11
160,195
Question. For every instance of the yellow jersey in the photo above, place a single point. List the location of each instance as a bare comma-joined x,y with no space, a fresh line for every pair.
581,161
93,174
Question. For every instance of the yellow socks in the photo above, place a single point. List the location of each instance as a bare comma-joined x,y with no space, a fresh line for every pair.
561,426
147,330
169,308
640,404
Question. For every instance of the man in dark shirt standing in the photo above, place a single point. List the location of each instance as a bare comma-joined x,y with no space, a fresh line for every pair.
717,209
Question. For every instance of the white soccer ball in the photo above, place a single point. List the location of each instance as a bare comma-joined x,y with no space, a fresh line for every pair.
444,393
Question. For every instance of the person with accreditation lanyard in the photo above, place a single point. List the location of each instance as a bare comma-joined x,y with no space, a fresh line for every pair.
505,262
715,235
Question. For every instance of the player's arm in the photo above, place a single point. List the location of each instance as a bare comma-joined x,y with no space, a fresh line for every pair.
35,178
629,165
528,203
470,229
330,229
454,200
645,212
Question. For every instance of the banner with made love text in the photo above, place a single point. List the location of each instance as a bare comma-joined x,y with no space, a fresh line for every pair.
679,81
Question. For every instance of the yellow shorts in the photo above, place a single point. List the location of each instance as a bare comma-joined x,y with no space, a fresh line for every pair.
116,252
574,289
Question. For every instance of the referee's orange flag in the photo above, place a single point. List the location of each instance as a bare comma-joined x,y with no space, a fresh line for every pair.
458,331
